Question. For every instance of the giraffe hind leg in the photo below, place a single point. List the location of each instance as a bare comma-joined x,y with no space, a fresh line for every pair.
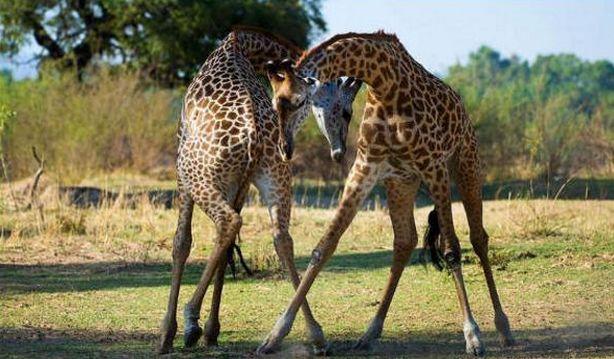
465,169
438,183
228,223
181,250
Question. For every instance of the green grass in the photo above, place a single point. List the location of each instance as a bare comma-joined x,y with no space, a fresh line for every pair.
101,290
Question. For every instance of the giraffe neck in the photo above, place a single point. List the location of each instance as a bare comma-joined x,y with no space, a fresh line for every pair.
259,47
378,59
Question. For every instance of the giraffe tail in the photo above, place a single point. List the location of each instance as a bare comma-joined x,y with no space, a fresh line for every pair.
238,205
431,237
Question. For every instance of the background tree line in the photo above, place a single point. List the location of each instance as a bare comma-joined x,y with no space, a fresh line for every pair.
112,74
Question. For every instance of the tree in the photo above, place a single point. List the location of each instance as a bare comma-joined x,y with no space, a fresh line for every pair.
168,39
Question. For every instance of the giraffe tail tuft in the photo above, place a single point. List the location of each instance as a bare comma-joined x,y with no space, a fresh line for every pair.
431,237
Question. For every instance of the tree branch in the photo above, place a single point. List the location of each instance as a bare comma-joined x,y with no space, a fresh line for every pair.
43,38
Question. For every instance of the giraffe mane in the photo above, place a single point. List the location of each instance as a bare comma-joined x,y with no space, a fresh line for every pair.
280,39
378,35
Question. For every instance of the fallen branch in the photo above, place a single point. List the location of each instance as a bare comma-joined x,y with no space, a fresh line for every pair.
37,176
34,202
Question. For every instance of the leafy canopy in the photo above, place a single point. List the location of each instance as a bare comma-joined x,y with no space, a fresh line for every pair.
553,116
168,39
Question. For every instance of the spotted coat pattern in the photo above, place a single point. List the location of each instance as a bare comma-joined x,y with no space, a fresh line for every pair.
414,130
228,138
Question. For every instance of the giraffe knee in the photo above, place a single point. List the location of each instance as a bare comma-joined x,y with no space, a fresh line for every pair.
283,244
402,249
181,246
228,227
452,254
479,242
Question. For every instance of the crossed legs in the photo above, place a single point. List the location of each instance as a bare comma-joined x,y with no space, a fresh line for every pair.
276,193
181,250
361,180
227,223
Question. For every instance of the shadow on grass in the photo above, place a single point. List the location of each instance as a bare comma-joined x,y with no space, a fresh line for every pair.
52,278
582,340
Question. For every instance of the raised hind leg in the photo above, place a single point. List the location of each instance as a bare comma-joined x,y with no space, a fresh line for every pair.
276,191
361,180
227,222
467,176
437,179
401,198
181,250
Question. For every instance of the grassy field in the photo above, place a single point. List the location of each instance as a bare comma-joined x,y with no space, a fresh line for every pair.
95,282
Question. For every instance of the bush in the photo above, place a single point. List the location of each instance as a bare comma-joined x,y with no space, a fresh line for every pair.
110,121
552,118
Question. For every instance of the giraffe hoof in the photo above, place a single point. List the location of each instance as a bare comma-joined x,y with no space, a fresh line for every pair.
475,348
362,344
267,347
165,348
191,336
165,345
476,351
473,342
507,341
212,331
321,350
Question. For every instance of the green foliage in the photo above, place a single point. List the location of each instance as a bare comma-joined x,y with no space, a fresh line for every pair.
167,39
551,118
109,121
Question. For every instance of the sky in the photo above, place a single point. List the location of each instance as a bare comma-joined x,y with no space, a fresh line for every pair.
440,33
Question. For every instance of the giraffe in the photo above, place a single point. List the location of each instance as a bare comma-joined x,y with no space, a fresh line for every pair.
414,130
229,138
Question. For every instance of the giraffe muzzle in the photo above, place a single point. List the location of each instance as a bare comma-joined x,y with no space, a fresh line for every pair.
337,154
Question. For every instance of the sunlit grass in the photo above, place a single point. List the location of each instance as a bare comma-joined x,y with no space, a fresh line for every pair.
96,281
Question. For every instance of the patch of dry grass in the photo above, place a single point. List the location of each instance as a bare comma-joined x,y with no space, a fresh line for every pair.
97,279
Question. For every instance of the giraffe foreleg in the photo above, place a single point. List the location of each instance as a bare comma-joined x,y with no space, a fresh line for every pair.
276,193
401,206
361,180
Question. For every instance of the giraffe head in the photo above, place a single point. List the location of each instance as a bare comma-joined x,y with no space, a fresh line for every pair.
330,102
332,108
